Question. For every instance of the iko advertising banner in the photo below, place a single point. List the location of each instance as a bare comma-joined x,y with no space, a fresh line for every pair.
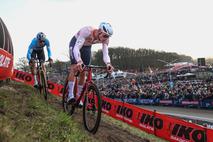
28,78
6,64
6,52
167,127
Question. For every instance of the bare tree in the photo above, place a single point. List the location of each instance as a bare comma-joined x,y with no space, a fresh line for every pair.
23,64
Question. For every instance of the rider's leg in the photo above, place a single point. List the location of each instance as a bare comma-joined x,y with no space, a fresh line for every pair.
33,67
71,80
33,71
41,58
44,69
80,85
85,56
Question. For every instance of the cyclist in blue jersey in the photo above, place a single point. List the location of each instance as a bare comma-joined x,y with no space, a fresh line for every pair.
36,51
80,53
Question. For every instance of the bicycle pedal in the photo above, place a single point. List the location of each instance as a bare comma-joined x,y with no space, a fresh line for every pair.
36,86
79,106
71,102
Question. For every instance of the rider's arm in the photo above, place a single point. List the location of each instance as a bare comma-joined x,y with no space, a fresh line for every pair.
81,36
30,49
76,50
105,51
48,48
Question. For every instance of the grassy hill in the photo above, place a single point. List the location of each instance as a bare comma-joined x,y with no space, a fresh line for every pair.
26,117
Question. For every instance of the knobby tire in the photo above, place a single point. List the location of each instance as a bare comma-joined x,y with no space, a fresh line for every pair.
92,90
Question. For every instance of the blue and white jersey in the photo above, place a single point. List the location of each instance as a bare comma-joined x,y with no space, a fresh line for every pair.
34,45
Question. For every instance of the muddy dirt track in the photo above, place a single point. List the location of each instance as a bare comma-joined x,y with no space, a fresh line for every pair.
111,133
107,132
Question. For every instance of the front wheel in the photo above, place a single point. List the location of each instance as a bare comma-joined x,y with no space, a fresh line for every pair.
44,86
92,109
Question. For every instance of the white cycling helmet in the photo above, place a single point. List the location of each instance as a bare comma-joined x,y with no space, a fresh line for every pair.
41,36
107,28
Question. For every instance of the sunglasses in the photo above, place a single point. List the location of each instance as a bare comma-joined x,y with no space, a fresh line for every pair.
41,41
106,36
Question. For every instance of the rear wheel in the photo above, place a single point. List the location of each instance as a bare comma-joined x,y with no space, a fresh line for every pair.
68,108
92,109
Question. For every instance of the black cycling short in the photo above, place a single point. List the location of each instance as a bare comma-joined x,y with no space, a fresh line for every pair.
38,54
85,52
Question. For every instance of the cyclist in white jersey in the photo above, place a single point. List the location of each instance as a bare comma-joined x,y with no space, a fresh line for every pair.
80,52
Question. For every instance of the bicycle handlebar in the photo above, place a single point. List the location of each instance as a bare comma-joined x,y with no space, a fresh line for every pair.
87,67
37,61
40,61
93,66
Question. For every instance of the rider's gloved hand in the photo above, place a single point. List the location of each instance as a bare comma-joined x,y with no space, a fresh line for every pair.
79,66
32,61
50,60
110,68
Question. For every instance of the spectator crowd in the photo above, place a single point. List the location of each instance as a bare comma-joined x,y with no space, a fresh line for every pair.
143,87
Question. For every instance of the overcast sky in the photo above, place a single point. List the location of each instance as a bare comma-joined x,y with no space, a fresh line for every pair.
182,26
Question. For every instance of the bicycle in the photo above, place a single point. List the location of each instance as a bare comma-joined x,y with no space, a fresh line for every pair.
91,102
42,80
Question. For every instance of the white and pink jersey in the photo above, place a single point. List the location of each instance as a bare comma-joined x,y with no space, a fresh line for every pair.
85,37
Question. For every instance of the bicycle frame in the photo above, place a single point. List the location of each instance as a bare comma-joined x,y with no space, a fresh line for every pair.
87,69
43,85
39,68
38,71
92,99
